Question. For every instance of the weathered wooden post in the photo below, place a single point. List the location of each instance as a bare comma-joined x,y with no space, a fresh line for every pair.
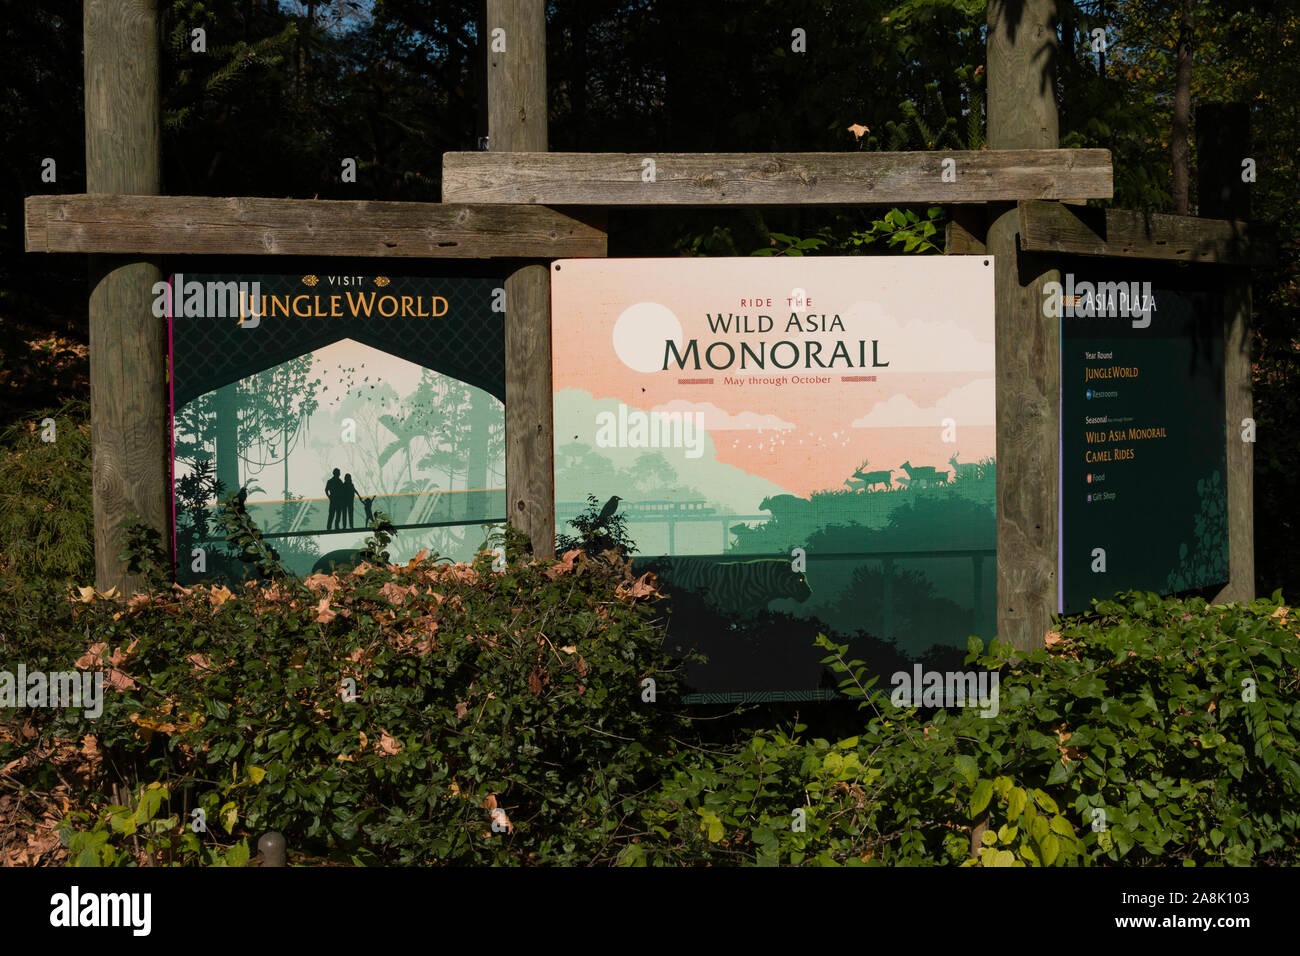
516,94
128,410
1022,114
1223,143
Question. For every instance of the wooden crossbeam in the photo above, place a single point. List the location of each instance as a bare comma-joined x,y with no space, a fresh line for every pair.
608,179
1052,227
197,225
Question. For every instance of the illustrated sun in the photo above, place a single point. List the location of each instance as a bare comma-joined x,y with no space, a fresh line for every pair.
640,334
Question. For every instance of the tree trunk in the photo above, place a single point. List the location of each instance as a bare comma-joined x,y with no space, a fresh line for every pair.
227,436
578,76
1067,37
1178,142
284,450
480,424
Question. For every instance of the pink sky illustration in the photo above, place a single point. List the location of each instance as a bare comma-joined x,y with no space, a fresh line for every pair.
931,316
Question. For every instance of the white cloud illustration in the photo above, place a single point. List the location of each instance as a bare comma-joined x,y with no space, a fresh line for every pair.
719,419
971,404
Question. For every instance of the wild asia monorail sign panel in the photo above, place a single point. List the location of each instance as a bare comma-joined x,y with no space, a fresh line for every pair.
798,445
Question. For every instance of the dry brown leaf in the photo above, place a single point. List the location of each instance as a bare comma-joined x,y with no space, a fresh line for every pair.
395,593
462,708
1068,753
564,565
388,746
642,587
328,582
219,596
92,657
857,129
121,654
119,680
323,613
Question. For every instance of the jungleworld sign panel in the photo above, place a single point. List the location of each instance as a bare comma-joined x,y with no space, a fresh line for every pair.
1143,444
327,398
798,445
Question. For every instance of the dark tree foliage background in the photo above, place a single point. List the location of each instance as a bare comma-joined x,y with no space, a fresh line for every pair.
286,90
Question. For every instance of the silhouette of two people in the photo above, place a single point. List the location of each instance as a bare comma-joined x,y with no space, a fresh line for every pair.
342,496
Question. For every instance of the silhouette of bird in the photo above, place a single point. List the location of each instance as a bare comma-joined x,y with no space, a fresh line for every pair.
610,507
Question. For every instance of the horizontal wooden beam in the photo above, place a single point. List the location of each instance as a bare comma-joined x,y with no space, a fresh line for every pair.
197,225
702,179
1052,227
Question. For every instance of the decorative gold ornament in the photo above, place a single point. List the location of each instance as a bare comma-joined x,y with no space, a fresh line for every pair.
381,281
309,280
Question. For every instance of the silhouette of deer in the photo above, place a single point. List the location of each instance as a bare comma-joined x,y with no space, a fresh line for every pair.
966,469
869,479
924,474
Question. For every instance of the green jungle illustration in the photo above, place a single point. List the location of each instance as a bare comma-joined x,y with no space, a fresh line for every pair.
318,445
1206,561
899,563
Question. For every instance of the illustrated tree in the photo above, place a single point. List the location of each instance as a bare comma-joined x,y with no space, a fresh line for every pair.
194,431
277,407
440,406
366,403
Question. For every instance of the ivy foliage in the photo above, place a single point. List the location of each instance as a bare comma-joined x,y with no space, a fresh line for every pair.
384,716
1152,731
46,519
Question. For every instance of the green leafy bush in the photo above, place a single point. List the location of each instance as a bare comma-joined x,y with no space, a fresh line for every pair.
46,518
600,529
102,839
481,697
1150,732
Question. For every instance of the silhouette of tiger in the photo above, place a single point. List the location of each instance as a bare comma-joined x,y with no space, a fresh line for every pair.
339,561
742,588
